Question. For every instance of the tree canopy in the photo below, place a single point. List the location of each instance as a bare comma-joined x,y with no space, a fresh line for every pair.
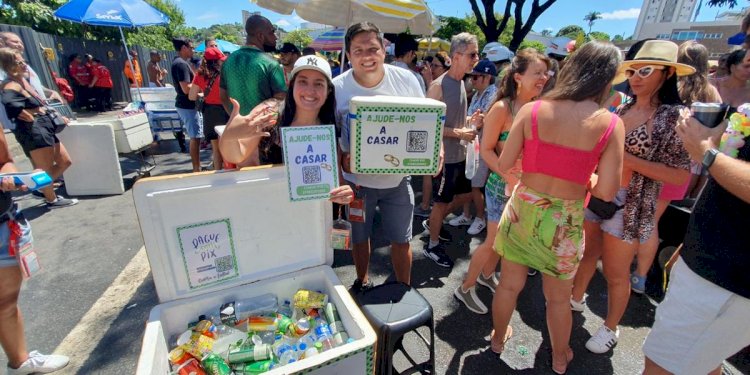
598,35
493,26
721,3
591,17
300,38
570,31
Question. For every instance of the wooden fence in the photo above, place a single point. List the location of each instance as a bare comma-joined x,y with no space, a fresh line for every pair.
112,55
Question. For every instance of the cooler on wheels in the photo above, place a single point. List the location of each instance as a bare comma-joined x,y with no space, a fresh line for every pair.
274,246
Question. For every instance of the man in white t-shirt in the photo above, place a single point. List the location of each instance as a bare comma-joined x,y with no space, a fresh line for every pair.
370,76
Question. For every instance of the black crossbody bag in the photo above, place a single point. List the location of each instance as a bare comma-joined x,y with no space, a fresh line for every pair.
603,209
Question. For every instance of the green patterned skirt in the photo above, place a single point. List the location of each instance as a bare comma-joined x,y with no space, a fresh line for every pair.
542,232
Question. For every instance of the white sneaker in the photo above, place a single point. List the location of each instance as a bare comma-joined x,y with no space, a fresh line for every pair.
460,221
578,306
477,226
40,363
603,340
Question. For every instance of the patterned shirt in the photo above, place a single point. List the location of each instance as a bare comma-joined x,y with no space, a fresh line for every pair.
666,148
483,100
251,76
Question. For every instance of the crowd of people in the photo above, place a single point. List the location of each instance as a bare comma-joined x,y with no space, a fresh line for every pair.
580,153
578,166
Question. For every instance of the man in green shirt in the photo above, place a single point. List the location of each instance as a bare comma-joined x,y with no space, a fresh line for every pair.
250,75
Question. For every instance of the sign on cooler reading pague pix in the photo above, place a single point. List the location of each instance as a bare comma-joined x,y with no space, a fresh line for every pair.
208,252
395,135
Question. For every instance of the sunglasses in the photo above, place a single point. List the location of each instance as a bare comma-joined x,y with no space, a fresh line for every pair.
643,72
473,55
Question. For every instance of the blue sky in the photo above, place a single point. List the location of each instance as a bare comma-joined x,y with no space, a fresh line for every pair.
620,16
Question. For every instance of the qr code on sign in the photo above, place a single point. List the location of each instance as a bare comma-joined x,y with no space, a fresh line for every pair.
311,174
224,264
416,141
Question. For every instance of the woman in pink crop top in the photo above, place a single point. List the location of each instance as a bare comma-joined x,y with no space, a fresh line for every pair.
562,139
524,81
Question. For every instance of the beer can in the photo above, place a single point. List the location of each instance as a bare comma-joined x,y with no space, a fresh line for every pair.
215,365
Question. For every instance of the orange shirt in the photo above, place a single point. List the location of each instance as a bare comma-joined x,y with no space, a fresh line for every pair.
129,73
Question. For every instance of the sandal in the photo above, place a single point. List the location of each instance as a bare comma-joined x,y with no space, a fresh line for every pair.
498,348
569,357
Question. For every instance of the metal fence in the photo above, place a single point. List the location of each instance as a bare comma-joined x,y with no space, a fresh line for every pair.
112,55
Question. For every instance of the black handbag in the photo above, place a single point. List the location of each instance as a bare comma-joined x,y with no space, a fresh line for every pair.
605,210
56,119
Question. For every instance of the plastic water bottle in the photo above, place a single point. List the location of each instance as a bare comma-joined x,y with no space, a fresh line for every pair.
232,312
310,351
307,339
323,335
287,354
286,308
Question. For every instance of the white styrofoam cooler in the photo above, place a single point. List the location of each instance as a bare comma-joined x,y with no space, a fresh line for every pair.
96,166
132,133
280,247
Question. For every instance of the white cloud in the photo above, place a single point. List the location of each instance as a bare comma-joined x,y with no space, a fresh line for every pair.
208,16
283,23
623,14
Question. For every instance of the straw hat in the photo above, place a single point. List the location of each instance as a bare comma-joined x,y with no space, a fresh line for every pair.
656,52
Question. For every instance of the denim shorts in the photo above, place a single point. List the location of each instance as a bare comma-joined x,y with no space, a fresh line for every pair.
494,197
615,225
193,121
396,212
7,260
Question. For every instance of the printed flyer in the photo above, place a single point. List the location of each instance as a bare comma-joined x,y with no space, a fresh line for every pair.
208,252
310,160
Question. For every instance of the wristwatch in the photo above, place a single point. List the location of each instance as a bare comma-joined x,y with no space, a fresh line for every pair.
709,157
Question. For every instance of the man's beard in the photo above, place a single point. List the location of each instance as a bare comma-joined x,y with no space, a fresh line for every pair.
269,48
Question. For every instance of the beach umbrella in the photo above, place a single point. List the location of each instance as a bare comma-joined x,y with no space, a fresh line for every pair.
736,39
433,44
112,13
331,40
224,46
391,16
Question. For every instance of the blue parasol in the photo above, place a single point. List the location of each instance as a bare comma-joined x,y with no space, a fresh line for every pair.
736,39
224,46
112,13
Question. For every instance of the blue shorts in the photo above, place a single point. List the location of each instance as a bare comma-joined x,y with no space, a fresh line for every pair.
193,121
7,260
396,212
613,226
494,197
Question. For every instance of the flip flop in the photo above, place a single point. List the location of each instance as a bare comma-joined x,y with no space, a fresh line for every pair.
498,349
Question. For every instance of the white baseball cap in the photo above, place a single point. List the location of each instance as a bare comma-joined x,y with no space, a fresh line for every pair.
489,46
312,62
558,46
499,53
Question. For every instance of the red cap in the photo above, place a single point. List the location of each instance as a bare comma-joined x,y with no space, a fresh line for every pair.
213,53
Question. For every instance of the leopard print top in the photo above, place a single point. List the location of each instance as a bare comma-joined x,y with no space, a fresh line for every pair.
638,141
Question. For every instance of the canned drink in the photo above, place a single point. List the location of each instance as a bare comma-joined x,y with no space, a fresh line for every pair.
190,367
283,322
250,354
300,327
261,324
215,365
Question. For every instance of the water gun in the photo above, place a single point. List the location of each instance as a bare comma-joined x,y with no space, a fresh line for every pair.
34,180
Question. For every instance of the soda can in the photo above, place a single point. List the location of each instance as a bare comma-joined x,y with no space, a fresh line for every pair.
250,354
301,327
190,367
215,365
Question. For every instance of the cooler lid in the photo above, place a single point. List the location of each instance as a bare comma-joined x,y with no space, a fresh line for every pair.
210,231
127,122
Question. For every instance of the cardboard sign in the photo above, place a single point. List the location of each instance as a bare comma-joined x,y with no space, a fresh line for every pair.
395,135
310,160
208,252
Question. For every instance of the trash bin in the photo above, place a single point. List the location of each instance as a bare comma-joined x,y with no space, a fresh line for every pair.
273,246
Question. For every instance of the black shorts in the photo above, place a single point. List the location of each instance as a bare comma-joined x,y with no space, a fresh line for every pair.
213,115
450,182
40,135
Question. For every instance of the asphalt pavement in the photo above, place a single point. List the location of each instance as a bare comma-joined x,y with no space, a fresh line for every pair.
90,252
